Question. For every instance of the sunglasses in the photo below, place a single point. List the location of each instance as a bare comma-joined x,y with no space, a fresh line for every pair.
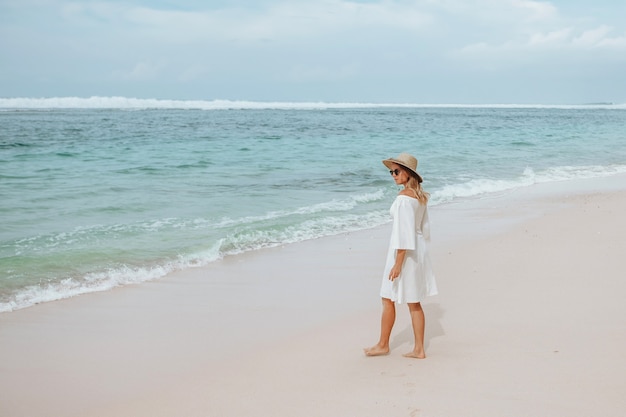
395,171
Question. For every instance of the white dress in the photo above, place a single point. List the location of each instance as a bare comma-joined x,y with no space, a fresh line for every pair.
411,231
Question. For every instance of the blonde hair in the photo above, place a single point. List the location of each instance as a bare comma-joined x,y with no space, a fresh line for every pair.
414,185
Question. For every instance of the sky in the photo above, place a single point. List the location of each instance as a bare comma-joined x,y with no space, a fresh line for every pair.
366,51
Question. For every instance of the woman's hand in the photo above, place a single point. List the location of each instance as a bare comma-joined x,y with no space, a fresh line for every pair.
396,269
395,272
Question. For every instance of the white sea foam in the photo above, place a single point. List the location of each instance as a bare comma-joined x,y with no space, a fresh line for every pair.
255,239
484,186
327,206
97,102
105,280
234,243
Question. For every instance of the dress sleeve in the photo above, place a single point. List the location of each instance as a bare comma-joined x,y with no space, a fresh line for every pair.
426,225
403,235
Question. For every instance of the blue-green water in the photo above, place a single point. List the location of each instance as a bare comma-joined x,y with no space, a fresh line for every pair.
92,198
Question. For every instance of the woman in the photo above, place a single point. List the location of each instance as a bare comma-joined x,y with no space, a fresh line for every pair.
408,277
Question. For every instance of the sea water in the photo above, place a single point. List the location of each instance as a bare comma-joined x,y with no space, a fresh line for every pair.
101,192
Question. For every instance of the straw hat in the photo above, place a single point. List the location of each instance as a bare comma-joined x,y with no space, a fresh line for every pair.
406,160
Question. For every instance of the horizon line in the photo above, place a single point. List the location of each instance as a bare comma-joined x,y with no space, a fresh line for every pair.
121,102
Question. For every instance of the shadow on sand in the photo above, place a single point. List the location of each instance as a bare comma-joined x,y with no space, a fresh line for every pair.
433,314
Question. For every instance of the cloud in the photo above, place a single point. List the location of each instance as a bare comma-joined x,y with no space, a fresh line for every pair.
565,39
616,43
538,32
284,20
326,49
536,10
600,38
568,39
554,38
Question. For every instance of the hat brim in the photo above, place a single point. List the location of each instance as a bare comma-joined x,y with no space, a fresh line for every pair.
390,161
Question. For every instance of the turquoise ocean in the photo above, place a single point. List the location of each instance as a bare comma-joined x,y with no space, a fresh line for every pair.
107,191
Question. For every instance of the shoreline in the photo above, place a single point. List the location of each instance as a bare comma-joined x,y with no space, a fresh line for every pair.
459,211
280,331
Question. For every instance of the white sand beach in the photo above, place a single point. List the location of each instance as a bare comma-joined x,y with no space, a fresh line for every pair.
530,321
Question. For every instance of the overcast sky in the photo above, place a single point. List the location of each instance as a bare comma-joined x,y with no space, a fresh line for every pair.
377,51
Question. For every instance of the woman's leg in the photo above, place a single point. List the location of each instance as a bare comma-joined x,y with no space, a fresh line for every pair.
419,323
386,324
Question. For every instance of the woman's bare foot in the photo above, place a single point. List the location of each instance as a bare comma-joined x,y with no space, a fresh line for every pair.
376,350
415,355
